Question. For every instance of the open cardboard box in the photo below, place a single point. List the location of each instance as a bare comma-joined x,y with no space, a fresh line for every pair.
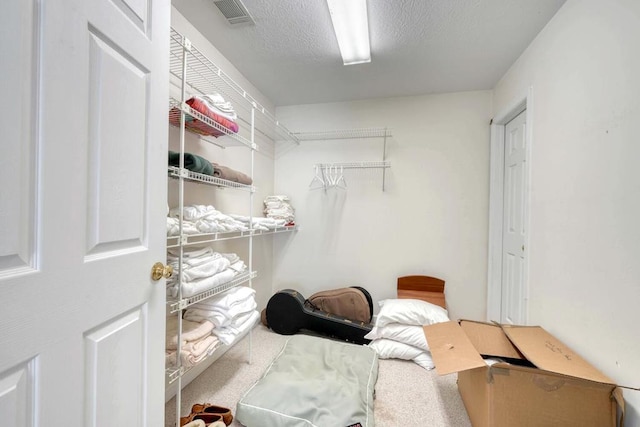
545,383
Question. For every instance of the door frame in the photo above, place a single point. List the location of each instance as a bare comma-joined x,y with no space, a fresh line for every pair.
496,203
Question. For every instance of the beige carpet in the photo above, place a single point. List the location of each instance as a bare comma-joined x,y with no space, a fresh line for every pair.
406,394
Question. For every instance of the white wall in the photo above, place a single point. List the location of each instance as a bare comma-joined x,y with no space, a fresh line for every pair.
238,158
431,219
584,68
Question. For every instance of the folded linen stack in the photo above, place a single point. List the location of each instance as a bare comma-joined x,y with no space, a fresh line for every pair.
232,312
217,103
173,227
224,172
214,108
398,333
260,223
202,219
202,269
278,207
199,164
197,342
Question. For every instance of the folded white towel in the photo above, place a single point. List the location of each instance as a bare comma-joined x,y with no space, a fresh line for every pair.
228,335
218,222
278,198
218,101
232,257
192,212
197,286
173,227
210,267
228,298
223,109
260,223
219,317
191,256
238,266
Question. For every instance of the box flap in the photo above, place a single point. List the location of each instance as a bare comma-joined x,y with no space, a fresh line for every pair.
489,339
547,352
451,349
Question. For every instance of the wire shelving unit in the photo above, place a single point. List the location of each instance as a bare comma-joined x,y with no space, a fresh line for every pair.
194,74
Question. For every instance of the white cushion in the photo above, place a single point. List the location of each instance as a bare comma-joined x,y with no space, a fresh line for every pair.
410,312
389,349
408,334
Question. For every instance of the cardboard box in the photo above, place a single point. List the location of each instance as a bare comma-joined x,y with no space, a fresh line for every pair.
544,384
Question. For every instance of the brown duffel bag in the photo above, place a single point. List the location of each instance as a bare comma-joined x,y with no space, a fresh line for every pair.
354,303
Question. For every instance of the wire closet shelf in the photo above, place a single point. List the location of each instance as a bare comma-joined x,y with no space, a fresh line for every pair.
360,133
330,175
203,238
174,172
204,77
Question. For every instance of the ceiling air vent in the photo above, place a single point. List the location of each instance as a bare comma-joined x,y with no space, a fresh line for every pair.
234,11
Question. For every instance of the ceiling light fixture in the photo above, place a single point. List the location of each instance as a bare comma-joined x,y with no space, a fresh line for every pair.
351,26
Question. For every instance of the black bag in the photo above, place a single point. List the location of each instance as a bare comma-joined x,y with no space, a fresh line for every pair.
288,312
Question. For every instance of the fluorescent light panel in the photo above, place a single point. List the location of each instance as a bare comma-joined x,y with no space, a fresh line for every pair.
351,26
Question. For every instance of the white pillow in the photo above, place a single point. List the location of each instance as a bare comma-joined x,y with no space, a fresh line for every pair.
408,334
410,312
389,349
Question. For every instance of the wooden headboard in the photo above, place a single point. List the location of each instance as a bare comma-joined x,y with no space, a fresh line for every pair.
425,288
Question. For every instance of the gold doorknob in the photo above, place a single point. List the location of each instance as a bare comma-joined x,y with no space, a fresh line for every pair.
159,270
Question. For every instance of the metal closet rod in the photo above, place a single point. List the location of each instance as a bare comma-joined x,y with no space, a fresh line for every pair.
355,165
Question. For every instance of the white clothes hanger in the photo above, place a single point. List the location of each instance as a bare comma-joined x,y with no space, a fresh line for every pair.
330,176
340,182
317,182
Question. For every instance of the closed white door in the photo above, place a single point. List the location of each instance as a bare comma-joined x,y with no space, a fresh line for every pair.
82,207
514,222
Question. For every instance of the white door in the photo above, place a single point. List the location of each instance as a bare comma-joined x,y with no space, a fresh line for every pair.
514,221
82,207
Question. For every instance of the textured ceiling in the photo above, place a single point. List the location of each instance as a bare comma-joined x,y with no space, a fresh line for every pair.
417,46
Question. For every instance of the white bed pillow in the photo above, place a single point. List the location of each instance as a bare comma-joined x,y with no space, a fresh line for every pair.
390,349
410,312
408,334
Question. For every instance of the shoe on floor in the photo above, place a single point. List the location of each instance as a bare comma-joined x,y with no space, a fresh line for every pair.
207,408
197,423
217,424
209,418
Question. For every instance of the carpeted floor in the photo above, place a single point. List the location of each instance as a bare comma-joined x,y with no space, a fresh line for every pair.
406,394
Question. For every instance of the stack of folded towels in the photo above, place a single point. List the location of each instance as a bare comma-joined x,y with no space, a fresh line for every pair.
212,106
259,223
202,219
278,207
217,103
197,219
231,313
197,342
202,269
398,333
